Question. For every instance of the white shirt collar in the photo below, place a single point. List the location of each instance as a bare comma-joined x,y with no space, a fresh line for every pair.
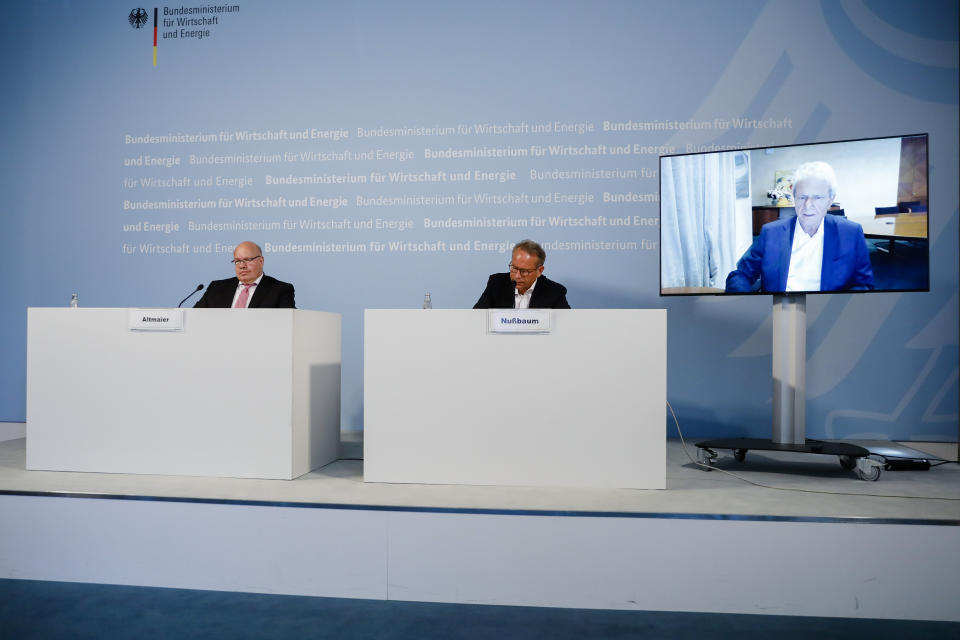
255,282
522,300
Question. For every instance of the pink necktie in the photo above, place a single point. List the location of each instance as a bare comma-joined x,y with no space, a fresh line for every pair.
244,295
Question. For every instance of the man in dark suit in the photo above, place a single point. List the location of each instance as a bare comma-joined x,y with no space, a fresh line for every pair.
251,288
810,252
524,287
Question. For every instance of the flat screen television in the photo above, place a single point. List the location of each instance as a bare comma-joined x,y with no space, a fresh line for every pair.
833,217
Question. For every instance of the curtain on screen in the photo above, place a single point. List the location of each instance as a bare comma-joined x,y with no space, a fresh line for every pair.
699,203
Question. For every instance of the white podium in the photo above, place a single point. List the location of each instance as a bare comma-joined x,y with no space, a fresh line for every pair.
446,402
245,394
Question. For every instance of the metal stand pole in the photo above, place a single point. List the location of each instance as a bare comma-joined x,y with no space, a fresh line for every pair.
789,368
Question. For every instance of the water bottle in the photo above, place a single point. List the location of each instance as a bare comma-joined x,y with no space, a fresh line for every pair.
74,301
427,302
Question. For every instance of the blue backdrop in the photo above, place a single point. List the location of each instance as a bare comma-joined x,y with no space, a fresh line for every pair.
380,150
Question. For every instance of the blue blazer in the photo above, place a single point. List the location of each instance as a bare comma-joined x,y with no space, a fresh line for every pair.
846,258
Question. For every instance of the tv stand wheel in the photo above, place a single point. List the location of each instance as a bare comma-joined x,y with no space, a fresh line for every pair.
848,462
739,455
868,469
706,457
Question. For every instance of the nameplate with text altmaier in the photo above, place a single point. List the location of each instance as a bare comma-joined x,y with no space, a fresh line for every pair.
518,320
156,320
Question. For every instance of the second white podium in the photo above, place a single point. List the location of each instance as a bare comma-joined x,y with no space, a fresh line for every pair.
446,402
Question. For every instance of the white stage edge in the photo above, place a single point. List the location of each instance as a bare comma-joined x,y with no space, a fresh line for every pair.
754,565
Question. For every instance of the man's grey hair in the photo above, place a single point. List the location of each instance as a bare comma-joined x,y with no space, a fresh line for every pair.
534,249
817,170
259,250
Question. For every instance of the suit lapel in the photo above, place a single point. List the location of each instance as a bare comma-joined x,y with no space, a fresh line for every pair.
230,291
537,294
508,299
830,241
258,294
785,254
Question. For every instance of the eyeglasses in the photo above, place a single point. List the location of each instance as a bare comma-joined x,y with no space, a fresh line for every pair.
245,260
523,272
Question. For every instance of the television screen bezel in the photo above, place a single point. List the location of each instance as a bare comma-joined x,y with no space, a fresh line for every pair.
661,158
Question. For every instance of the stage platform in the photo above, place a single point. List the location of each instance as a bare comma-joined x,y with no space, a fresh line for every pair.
908,495
822,543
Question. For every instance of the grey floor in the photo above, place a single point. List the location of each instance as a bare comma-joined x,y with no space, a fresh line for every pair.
53,610
796,485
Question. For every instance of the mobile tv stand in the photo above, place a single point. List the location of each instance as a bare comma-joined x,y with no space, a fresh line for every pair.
789,398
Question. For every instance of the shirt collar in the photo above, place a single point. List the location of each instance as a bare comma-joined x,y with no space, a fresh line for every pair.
255,282
801,238
528,291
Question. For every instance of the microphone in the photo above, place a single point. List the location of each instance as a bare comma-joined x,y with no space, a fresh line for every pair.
199,286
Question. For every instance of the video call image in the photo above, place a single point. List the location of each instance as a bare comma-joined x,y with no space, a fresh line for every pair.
836,217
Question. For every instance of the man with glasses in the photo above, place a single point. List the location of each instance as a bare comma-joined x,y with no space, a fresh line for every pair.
524,287
812,251
251,288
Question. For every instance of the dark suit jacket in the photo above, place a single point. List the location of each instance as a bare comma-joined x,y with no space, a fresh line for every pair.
547,294
269,294
846,258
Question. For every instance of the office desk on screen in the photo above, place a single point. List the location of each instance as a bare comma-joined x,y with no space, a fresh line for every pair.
899,226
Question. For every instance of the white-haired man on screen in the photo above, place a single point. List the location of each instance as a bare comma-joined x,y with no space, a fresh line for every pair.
809,252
